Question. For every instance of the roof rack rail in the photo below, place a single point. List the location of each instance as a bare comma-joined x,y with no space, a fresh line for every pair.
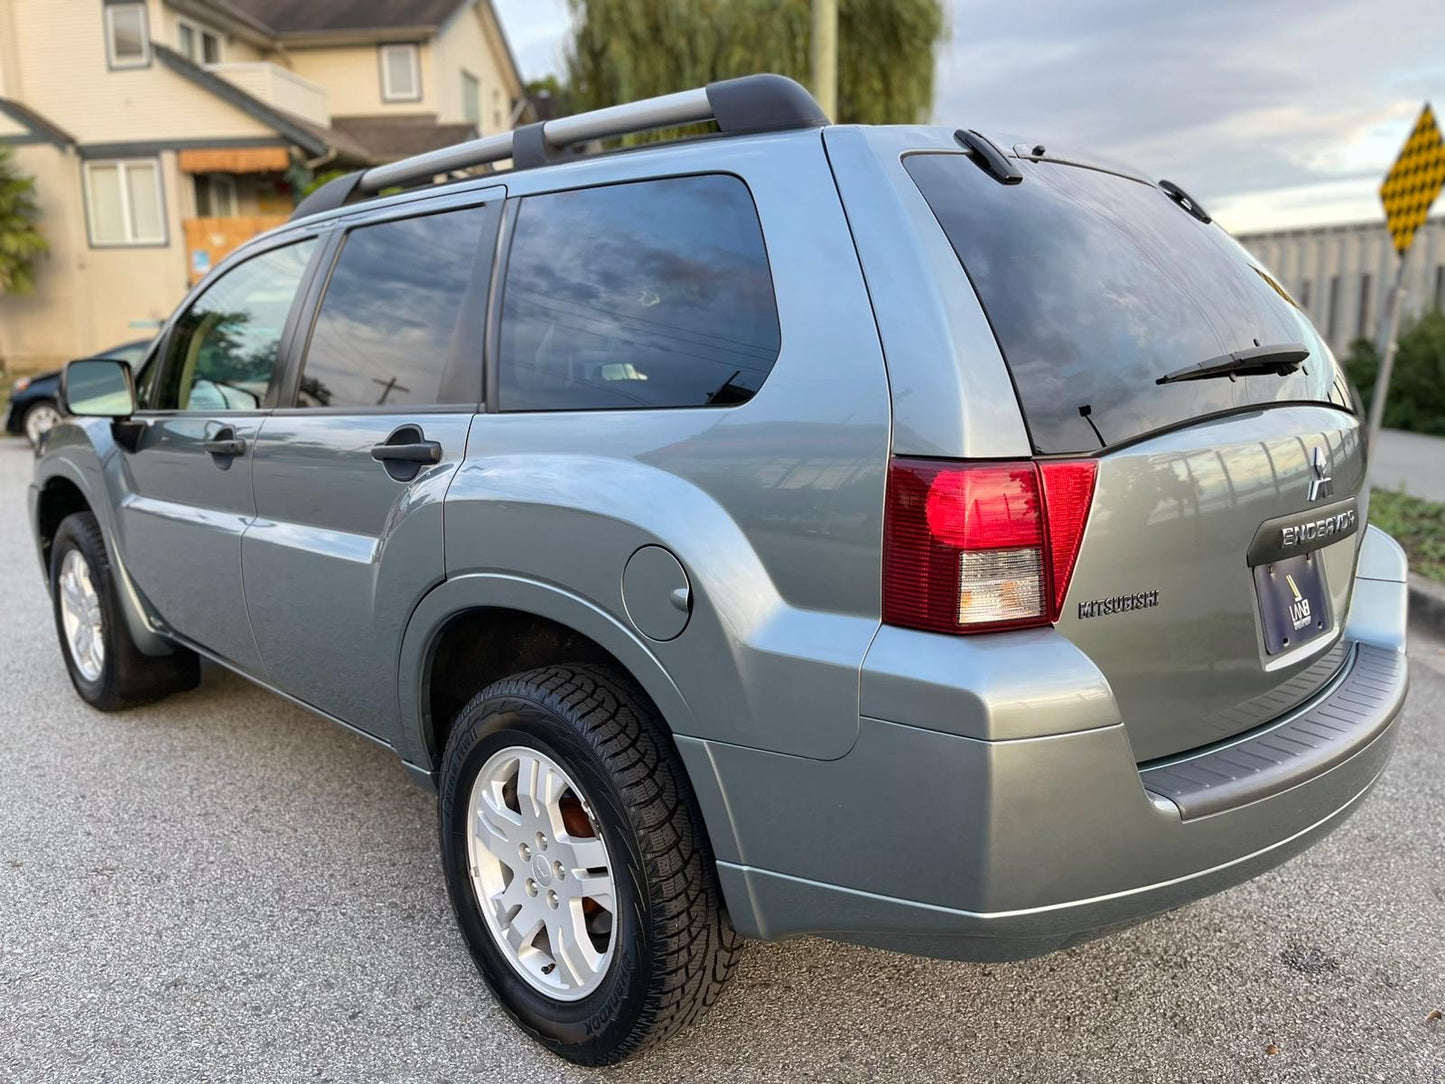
749,104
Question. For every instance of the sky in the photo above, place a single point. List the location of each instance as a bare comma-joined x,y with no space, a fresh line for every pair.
1273,113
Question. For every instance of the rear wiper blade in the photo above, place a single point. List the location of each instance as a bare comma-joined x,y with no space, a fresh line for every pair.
1280,360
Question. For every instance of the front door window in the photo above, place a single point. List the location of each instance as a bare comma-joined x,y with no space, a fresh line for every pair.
224,351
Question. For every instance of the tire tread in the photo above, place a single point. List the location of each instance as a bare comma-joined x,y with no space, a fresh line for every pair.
695,946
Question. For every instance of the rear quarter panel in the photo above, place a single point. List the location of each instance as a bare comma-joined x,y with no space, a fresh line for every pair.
773,507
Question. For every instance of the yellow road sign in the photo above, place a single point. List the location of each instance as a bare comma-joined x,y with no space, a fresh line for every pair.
1414,181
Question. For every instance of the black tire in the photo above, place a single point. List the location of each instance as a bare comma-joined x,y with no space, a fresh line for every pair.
674,944
127,677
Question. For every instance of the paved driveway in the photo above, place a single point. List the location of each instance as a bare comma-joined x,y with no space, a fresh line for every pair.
225,887
1413,462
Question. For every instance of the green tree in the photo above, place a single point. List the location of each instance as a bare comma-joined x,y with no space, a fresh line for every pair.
622,50
550,87
21,243
1417,385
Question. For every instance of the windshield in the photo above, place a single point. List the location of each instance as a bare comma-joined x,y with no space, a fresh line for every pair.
1096,285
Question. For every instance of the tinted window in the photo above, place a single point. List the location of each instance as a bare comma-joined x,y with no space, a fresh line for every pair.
653,294
1096,285
392,326
224,351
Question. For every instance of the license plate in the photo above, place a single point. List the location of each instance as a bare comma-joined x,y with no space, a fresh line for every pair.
1294,606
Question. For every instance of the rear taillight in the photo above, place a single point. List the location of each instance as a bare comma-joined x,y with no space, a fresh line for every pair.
969,547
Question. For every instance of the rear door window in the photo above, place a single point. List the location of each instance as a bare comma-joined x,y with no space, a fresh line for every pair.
648,294
1097,284
400,322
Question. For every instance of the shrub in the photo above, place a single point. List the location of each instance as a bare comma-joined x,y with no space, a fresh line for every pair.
1417,386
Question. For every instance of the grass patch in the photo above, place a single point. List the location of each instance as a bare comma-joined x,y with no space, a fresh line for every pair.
1418,525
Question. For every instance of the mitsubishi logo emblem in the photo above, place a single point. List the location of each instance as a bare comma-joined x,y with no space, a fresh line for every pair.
1321,485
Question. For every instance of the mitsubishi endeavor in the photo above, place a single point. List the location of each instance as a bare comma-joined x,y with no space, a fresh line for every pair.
898,534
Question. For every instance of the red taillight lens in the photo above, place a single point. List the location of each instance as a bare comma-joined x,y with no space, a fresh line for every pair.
1068,493
972,547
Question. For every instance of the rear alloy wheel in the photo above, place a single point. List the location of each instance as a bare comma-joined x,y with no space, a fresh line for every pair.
40,419
578,865
541,873
106,667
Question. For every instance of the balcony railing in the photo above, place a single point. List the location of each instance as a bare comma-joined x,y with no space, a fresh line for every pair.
278,87
210,240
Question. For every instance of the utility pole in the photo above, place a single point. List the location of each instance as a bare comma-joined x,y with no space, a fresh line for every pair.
1387,359
825,56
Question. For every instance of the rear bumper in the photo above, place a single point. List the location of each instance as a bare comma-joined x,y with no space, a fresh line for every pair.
949,845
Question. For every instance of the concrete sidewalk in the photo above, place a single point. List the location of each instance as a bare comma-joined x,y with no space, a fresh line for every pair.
1409,461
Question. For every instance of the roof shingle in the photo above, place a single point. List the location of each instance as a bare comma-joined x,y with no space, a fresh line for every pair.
321,16
389,138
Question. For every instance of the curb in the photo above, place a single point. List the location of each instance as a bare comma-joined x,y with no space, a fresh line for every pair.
1427,603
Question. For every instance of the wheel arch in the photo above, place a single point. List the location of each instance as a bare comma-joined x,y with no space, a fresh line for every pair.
552,625
58,496
546,624
63,487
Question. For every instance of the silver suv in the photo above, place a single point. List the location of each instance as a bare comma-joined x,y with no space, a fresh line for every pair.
896,534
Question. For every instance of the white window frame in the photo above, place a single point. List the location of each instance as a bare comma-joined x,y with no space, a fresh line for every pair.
470,80
199,34
111,60
123,175
388,92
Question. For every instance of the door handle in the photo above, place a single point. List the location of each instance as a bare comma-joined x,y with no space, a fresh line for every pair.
226,446
405,452
423,451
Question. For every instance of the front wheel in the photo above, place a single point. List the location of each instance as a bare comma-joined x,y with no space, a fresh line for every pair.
578,865
106,667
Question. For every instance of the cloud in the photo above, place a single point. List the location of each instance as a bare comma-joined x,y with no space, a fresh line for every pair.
1230,98
536,30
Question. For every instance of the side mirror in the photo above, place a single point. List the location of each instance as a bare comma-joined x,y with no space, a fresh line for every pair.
97,388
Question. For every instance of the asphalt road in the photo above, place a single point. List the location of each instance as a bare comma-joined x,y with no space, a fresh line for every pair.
1409,461
224,887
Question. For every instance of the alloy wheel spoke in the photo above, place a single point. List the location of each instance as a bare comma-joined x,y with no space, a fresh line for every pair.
587,853
498,828
598,888
539,785
524,928
571,946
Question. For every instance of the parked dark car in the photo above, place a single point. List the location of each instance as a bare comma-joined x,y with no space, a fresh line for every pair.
35,400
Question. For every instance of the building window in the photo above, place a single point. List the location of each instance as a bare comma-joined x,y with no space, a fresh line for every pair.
123,202
198,45
400,73
1363,330
216,196
127,45
472,100
497,110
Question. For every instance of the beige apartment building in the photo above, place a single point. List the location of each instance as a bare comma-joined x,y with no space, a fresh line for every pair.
163,133
1342,275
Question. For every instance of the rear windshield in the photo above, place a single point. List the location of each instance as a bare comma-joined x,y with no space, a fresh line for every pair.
1096,285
